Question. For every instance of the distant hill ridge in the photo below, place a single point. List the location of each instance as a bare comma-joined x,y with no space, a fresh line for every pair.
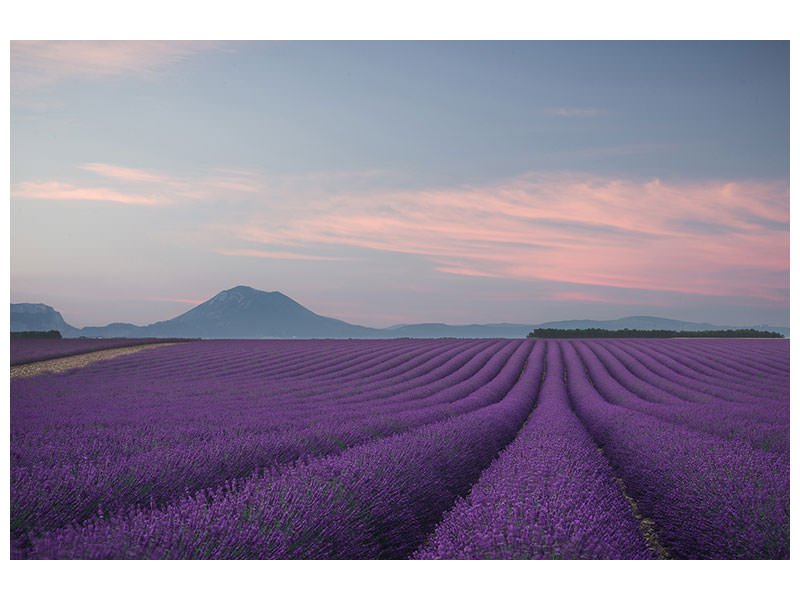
27,316
244,312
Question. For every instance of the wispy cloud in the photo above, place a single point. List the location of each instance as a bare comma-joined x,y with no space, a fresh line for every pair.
274,254
125,173
717,239
36,64
568,228
142,186
575,112
588,298
188,186
54,190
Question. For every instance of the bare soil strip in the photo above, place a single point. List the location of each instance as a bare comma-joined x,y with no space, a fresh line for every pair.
57,365
646,524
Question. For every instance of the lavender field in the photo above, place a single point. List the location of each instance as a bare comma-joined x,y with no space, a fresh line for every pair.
424,449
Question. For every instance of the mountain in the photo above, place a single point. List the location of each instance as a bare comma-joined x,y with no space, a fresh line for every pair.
244,312
113,330
26,316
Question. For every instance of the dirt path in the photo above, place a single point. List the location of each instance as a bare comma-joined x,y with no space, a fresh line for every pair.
77,360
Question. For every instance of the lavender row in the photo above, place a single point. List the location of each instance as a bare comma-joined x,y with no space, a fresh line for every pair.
44,496
550,494
708,498
378,500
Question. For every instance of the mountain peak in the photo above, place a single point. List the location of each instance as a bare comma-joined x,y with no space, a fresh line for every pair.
247,290
244,289
32,308
243,311
29,316
243,296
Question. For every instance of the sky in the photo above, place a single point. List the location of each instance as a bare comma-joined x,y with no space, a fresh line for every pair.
403,182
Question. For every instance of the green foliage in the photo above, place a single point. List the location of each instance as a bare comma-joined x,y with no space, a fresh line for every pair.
594,332
36,334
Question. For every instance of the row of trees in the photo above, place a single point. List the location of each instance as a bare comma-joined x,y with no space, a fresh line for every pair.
594,332
36,334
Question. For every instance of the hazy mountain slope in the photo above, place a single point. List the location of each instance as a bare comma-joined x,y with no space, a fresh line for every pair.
244,312
26,316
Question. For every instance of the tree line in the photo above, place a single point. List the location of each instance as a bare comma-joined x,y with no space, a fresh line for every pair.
595,332
36,334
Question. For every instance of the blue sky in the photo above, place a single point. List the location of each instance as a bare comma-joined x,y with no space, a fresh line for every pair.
386,182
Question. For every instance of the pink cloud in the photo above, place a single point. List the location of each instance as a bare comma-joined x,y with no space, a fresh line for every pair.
124,173
35,64
570,228
143,186
584,297
274,254
54,190
191,185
